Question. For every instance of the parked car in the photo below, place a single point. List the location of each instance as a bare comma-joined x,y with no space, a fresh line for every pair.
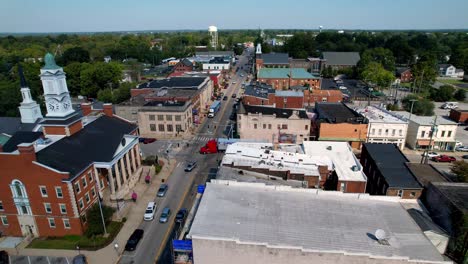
242,75
165,214
132,242
430,154
218,98
234,82
4,259
461,148
234,95
444,158
162,190
180,216
147,140
465,156
190,166
233,116
225,98
150,210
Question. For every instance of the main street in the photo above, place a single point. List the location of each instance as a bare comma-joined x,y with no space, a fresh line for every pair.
182,185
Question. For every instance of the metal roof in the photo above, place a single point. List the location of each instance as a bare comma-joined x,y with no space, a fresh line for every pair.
341,58
283,73
309,220
275,58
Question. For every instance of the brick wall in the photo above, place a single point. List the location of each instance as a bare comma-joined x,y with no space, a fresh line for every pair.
54,130
343,132
291,102
407,193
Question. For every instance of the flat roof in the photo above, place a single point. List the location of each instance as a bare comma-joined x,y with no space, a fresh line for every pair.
424,120
309,220
175,82
378,115
456,192
391,162
337,113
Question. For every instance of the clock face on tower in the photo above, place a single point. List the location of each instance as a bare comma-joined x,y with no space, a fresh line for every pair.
53,106
65,105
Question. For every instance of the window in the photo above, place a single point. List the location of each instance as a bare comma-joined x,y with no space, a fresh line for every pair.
373,131
93,192
443,133
177,118
24,210
102,184
66,223
58,191
161,117
284,126
1,206
87,197
324,99
400,193
393,132
83,180
255,126
48,208
264,126
4,220
423,133
169,117
152,127
412,194
80,203
449,134
306,127
77,187
178,128
63,208
170,128
386,132
51,222
269,126
90,176
400,132
43,191
380,132
152,117
342,187
161,128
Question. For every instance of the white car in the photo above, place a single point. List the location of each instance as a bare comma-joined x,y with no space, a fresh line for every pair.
150,210
430,154
462,148
234,82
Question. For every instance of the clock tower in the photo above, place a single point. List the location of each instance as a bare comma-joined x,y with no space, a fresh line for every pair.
56,95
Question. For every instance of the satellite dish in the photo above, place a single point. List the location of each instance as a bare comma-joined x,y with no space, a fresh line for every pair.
380,234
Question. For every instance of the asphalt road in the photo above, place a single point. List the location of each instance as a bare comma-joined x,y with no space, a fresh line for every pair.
182,185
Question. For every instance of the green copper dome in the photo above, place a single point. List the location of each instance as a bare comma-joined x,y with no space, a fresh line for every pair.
50,62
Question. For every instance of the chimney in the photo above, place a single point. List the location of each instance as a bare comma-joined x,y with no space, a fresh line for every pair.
107,109
27,150
86,108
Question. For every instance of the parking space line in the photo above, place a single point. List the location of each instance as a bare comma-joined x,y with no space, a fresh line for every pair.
68,262
29,260
48,261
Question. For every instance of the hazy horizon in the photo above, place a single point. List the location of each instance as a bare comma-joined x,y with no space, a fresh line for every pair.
88,16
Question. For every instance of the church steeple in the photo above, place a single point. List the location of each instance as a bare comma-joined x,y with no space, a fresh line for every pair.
29,109
57,97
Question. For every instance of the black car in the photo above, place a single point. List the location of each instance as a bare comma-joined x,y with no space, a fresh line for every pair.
79,259
180,216
234,95
134,239
225,98
233,116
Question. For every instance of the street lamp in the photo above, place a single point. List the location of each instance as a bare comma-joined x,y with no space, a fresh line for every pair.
78,248
116,247
411,108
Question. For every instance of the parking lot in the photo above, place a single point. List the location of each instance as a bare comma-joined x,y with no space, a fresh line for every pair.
39,260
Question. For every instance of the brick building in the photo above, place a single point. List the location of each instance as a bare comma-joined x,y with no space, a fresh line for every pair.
285,78
387,172
337,122
53,175
184,65
313,96
404,74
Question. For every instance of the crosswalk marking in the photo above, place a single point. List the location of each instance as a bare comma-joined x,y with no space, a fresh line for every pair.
201,139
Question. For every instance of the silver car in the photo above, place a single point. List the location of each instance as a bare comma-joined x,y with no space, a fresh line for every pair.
166,213
162,190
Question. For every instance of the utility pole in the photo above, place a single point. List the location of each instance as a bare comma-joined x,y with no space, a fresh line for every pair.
425,157
411,108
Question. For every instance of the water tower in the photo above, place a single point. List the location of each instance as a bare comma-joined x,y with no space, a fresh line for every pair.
214,36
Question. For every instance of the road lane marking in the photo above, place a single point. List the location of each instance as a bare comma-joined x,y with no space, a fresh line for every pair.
68,262
48,261
29,260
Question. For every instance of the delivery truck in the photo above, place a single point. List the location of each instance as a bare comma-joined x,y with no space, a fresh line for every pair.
214,108
217,145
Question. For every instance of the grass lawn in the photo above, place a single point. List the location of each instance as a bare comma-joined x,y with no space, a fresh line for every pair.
71,241
451,81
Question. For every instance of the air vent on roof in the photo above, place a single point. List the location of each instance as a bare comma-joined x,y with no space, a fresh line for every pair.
43,141
381,237
267,151
261,162
329,148
280,165
355,168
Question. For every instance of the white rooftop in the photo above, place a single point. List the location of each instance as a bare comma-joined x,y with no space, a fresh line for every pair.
424,120
309,220
378,115
342,156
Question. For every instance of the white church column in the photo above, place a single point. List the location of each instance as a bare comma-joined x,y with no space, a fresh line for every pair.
129,169
111,180
132,157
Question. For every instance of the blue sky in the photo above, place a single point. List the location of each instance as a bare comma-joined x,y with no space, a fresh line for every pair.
116,15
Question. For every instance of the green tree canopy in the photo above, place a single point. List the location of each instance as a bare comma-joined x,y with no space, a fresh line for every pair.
460,95
100,76
421,106
380,55
442,94
75,54
376,74
460,168
94,219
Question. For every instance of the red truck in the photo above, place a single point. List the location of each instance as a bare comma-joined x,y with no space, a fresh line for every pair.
217,145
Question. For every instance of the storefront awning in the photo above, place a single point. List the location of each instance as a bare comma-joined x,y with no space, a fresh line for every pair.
424,142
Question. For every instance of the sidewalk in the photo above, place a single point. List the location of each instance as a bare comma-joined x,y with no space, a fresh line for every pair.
132,211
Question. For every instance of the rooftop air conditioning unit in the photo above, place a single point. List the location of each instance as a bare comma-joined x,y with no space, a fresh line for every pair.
329,148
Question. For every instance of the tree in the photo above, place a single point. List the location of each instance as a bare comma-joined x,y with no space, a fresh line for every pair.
460,95
424,71
380,55
73,71
422,106
94,219
105,95
443,94
376,74
76,54
460,168
100,76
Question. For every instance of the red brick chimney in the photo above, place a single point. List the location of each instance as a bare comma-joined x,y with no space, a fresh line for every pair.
107,109
27,150
86,108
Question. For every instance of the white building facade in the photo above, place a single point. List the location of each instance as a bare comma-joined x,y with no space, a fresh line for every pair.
384,127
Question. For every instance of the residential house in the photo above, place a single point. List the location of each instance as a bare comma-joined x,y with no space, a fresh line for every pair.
420,135
387,173
276,125
337,122
285,78
404,74
384,127
279,224
448,70
217,64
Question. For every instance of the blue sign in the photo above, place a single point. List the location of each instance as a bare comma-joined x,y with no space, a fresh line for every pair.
201,188
182,245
